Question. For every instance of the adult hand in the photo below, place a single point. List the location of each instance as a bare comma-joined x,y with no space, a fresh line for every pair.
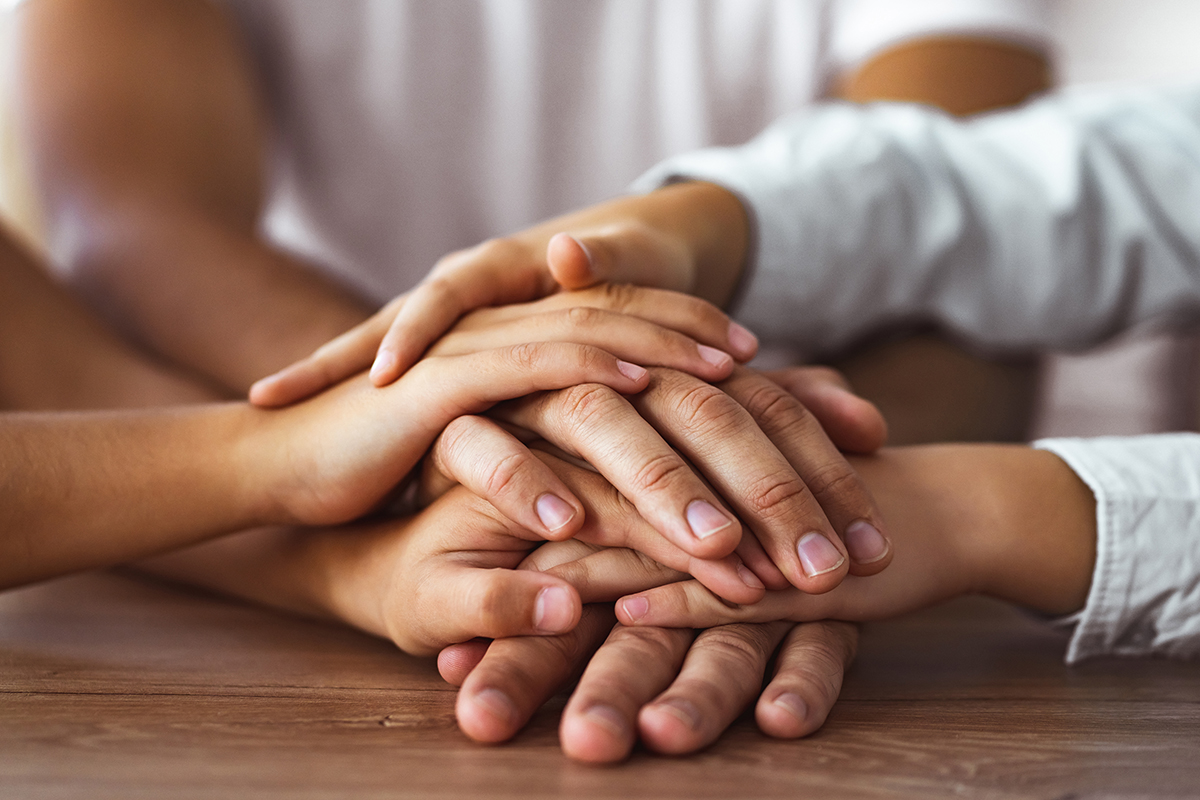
762,450
689,238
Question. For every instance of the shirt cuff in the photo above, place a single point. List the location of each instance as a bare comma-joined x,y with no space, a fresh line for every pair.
1145,591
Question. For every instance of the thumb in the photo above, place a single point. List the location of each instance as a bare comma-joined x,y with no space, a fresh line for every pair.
626,253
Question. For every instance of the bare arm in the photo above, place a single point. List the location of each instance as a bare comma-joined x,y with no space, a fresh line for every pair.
149,144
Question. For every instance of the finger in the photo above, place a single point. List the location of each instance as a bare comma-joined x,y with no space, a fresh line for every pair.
614,572
458,602
627,337
599,723
838,490
516,676
483,457
684,313
599,426
455,386
809,668
611,522
497,272
721,675
456,661
333,362
688,604
853,424
721,438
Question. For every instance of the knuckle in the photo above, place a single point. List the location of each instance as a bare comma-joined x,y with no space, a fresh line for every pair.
834,480
527,356
746,647
499,477
492,606
584,317
703,405
619,296
583,405
773,408
774,494
660,473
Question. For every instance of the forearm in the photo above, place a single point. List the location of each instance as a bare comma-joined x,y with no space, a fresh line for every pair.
151,164
93,489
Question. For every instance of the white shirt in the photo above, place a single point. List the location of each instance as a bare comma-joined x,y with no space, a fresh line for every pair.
411,128
1060,224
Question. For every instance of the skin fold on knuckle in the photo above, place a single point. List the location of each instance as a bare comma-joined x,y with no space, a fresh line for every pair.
775,411
780,495
835,480
581,411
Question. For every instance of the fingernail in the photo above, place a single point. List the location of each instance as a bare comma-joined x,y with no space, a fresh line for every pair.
742,340
591,261
554,610
608,718
554,512
635,607
793,704
683,710
705,520
865,543
714,356
749,578
496,703
385,361
631,371
818,555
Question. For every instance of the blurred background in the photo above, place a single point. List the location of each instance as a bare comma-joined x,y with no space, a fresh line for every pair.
1141,383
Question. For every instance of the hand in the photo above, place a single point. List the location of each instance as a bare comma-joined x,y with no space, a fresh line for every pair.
598,426
688,237
674,690
1008,521
338,455
759,447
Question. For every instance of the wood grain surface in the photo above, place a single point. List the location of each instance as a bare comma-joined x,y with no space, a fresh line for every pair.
112,687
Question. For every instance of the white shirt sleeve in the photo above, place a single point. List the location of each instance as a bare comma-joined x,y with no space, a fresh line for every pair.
859,29
865,216
1145,592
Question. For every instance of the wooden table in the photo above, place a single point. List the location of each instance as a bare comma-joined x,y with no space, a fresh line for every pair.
115,687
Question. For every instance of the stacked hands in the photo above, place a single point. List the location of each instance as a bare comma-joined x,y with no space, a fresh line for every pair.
600,482
626,465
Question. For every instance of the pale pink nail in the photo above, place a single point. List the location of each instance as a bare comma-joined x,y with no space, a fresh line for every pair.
714,356
635,607
743,342
793,704
608,718
865,543
705,520
818,555
749,578
554,512
554,611
588,253
631,371
496,703
385,362
683,710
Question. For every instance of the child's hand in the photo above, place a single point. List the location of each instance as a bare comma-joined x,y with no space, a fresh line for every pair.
688,238
1008,521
